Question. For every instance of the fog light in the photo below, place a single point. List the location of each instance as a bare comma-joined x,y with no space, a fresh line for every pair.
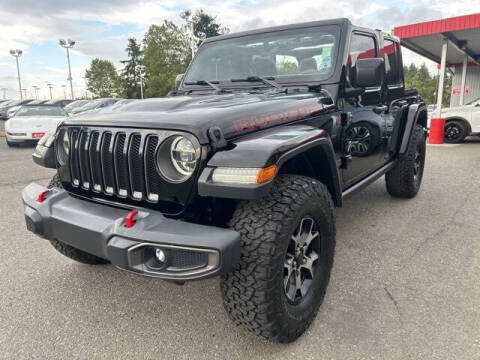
160,255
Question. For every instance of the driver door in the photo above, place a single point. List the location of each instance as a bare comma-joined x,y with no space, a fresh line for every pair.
363,135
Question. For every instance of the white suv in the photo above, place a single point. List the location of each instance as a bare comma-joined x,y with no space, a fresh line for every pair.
461,121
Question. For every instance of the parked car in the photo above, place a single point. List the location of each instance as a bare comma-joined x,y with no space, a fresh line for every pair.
75,104
95,104
61,102
115,107
37,102
4,107
461,121
11,112
31,123
237,173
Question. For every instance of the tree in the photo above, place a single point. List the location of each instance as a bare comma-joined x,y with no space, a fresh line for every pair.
205,26
420,79
131,72
166,53
102,79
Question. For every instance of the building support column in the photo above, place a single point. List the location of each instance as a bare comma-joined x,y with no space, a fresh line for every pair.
464,78
437,124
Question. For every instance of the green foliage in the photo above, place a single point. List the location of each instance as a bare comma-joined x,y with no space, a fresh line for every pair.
420,79
205,26
287,67
102,79
166,53
131,71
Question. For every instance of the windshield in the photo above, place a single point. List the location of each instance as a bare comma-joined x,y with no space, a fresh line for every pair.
288,55
75,104
41,111
90,105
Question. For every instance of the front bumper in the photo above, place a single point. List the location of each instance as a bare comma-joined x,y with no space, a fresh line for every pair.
193,251
22,136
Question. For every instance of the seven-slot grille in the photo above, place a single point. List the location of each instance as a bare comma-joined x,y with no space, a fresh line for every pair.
117,162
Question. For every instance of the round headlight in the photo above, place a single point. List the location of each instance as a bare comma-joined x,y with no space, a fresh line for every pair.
63,147
66,142
177,158
183,155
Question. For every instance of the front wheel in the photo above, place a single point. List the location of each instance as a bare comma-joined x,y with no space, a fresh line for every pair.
288,242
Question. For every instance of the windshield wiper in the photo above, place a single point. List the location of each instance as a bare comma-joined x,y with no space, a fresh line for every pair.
266,80
206,82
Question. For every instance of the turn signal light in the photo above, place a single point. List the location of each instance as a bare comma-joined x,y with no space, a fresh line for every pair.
266,174
244,175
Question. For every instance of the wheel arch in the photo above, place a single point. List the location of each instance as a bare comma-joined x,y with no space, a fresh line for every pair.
318,163
461,119
296,150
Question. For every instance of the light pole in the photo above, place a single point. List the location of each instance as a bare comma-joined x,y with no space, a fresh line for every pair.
64,91
186,14
35,88
17,53
68,44
50,86
140,75
86,91
4,92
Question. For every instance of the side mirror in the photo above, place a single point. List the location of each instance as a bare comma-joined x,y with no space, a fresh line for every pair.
178,80
369,73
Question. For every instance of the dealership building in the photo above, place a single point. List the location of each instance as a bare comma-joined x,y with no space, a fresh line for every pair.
453,43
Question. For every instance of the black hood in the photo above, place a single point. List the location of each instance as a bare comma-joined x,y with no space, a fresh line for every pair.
235,114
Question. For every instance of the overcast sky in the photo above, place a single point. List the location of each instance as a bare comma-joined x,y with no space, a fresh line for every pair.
101,28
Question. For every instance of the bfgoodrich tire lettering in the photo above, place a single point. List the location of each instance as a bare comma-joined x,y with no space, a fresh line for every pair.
254,294
405,178
70,251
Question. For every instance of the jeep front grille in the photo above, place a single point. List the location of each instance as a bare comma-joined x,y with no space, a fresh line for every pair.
118,162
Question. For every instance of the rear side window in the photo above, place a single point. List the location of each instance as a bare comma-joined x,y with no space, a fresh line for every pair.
391,55
361,47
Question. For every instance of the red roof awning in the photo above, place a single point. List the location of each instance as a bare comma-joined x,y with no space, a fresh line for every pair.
426,38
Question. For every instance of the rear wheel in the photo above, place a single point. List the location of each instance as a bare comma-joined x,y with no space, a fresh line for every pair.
67,250
455,132
405,178
288,241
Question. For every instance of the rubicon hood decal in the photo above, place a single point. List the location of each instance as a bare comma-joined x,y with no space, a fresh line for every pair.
234,114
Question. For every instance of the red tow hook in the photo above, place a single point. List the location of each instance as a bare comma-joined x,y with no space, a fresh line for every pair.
129,219
43,195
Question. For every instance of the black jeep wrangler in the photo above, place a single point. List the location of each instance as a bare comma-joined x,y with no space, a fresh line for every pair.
237,172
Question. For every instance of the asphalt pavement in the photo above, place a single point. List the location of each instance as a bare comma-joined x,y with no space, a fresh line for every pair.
405,283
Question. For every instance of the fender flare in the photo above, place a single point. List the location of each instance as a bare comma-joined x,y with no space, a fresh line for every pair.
415,111
269,152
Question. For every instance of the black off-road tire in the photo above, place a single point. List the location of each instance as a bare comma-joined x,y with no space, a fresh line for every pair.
405,179
67,250
455,132
254,295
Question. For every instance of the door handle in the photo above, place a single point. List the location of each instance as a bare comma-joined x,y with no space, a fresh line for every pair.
380,109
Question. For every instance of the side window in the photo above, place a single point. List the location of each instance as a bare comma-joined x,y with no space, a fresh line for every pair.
391,55
361,47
